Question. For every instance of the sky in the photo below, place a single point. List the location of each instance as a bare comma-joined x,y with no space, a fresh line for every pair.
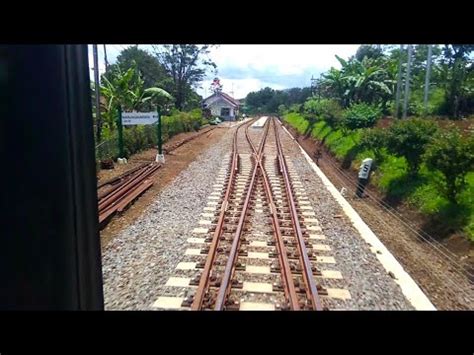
246,68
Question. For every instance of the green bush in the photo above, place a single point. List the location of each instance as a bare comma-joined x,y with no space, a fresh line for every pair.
282,110
452,155
361,115
374,139
408,139
138,138
327,110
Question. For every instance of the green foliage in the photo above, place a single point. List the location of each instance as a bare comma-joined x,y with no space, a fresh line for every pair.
452,155
138,138
408,139
151,71
374,139
282,109
268,100
420,191
327,110
126,89
361,115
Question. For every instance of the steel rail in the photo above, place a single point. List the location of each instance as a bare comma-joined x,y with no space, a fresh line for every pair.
311,289
285,269
225,285
204,280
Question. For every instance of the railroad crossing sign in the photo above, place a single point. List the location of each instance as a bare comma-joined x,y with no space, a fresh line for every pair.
138,118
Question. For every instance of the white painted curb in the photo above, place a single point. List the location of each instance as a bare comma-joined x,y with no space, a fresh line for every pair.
409,287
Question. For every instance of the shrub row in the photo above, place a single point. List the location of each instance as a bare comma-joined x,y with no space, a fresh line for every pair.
138,138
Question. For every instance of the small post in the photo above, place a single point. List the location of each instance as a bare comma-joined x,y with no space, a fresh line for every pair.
120,132
160,157
364,175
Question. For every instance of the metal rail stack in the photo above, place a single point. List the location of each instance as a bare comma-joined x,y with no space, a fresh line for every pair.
119,192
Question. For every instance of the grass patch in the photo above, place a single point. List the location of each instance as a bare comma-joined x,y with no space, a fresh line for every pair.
422,191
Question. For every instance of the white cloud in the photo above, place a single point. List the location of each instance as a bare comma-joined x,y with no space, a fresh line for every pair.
253,67
238,88
275,66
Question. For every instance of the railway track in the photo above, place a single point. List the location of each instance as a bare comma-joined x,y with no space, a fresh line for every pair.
260,248
118,193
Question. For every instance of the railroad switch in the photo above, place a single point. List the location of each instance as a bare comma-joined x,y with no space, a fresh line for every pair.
321,290
316,271
187,302
232,305
282,307
275,268
240,266
243,252
277,286
237,284
272,254
195,280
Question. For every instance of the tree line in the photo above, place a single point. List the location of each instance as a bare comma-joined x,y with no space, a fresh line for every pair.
372,76
140,80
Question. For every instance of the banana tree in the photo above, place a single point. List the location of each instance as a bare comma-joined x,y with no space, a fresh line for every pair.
127,90
366,80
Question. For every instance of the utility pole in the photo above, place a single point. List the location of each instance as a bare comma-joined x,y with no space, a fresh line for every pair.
427,79
313,85
105,59
399,82
407,83
97,92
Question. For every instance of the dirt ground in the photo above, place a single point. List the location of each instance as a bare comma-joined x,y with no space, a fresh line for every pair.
430,271
175,162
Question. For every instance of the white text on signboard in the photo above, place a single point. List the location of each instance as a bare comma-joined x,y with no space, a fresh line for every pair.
135,118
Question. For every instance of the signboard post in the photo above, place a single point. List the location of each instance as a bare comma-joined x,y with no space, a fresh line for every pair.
160,157
135,118
120,132
140,118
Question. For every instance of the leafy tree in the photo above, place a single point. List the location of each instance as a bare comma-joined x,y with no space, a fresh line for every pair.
327,110
127,90
460,70
409,139
151,71
369,51
452,155
187,65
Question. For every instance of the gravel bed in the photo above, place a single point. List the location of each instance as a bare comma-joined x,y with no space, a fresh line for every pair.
143,256
139,261
370,286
